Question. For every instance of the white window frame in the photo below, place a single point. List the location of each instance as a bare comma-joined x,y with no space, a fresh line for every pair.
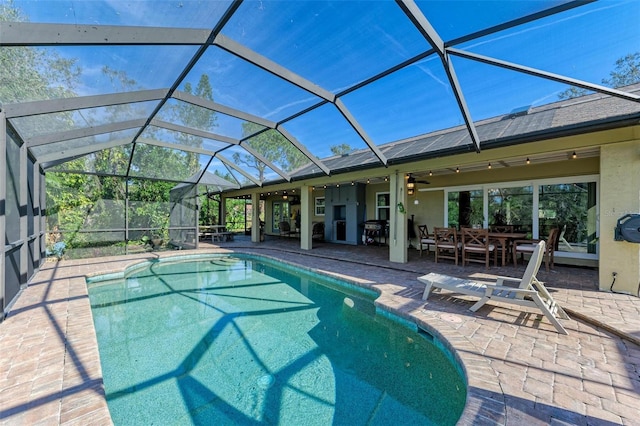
378,206
535,183
317,206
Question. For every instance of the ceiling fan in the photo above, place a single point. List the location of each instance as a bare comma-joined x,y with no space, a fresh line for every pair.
413,180
411,184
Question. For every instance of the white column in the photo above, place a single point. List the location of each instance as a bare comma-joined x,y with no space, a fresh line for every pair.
398,218
306,200
255,217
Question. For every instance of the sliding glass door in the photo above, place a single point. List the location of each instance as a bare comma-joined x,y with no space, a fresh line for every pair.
533,207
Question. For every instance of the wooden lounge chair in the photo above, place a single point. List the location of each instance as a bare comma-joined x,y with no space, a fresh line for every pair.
530,292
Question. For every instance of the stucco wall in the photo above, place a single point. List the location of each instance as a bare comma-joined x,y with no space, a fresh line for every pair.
429,211
619,195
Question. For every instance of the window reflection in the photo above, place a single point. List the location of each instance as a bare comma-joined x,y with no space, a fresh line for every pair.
512,206
466,208
572,209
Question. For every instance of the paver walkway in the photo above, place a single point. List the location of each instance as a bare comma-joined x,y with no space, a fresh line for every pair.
520,370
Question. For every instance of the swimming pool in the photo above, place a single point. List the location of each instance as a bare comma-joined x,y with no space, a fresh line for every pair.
246,340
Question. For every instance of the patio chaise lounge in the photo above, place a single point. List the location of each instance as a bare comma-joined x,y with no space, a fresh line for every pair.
530,292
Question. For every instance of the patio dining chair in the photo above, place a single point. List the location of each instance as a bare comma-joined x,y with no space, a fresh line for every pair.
476,242
529,292
523,247
425,238
447,246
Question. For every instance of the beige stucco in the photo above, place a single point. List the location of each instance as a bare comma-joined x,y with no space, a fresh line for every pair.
619,195
430,210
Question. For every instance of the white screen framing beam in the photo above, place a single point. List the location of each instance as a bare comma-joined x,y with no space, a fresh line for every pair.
216,107
69,154
84,132
360,130
268,163
231,165
303,149
39,34
268,65
194,132
81,102
423,25
543,74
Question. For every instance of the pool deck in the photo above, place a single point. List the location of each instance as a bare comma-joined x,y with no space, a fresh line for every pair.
520,369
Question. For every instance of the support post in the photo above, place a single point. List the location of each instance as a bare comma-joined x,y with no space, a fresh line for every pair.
397,219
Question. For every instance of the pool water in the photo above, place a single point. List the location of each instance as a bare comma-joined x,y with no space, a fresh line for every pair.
245,340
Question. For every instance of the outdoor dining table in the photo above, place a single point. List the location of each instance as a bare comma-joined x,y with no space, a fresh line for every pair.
505,238
220,233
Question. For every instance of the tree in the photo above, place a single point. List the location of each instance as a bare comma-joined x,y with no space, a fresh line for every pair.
572,92
341,149
28,74
196,117
273,146
626,72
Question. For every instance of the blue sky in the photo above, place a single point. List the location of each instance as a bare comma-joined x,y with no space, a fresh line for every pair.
338,44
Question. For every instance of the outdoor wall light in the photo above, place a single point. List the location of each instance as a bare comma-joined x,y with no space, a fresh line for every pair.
285,196
528,161
489,166
574,155
430,173
411,185
457,169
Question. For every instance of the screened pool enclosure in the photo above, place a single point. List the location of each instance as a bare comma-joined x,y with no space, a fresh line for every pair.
121,121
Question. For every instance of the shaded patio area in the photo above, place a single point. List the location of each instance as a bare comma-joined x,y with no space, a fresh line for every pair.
519,369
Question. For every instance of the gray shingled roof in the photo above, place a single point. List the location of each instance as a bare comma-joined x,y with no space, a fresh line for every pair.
576,115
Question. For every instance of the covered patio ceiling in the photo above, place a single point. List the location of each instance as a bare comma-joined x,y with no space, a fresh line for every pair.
278,91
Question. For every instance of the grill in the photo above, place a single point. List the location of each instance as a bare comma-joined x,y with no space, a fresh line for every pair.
373,225
374,232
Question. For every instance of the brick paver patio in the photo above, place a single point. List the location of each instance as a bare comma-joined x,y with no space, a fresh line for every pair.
519,369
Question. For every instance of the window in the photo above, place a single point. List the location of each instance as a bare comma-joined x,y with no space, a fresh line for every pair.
572,208
512,206
569,204
465,208
280,214
382,206
319,206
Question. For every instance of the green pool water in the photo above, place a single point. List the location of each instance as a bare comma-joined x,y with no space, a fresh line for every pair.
248,341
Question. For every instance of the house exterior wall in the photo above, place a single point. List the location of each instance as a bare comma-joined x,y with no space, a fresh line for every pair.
617,165
619,195
430,210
